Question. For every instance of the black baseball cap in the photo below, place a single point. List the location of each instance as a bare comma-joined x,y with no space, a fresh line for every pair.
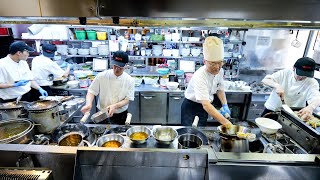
19,46
48,50
120,58
305,67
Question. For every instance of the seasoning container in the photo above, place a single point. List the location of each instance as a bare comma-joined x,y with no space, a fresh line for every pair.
83,82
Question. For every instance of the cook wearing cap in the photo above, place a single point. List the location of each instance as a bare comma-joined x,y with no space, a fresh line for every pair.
296,86
115,89
16,79
42,67
205,82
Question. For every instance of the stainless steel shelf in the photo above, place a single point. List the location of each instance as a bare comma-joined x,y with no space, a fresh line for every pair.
86,56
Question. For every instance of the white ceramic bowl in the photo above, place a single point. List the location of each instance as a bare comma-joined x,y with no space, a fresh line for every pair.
195,52
267,125
73,84
175,52
167,52
172,85
185,51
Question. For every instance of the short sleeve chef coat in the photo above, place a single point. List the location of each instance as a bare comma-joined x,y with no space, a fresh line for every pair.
203,85
43,66
297,93
11,71
112,89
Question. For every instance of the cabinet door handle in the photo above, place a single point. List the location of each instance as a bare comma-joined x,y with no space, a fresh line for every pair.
147,97
176,98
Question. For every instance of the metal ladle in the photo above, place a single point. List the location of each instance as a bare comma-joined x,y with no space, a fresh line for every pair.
296,43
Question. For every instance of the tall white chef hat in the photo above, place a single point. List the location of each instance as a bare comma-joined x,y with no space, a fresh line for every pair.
213,49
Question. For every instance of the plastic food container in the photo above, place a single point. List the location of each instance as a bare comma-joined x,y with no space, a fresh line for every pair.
92,35
80,35
102,35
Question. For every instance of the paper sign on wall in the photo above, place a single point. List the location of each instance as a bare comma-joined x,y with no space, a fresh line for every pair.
263,41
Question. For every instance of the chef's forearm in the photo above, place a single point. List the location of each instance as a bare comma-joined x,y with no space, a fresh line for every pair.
222,96
121,103
270,82
66,73
315,103
213,112
4,86
89,98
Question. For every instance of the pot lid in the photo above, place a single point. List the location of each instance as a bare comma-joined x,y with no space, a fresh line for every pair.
11,105
41,105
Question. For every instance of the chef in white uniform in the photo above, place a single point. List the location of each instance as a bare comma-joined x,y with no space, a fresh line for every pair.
205,82
115,89
16,79
296,87
43,66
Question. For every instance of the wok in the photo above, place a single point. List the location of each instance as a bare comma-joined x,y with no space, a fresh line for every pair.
194,131
122,128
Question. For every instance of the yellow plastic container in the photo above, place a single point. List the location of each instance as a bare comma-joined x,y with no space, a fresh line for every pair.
102,35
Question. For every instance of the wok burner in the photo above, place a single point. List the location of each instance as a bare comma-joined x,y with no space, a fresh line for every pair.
281,143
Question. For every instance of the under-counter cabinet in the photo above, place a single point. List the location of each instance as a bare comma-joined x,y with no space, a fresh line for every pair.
153,108
174,108
134,108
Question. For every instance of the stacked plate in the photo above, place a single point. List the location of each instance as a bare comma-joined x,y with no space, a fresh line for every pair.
62,49
93,51
83,51
73,51
157,50
103,49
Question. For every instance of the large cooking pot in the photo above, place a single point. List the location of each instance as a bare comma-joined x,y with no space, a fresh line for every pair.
45,113
11,110
71,139
138,134
117,139
189,141
230,142
16,131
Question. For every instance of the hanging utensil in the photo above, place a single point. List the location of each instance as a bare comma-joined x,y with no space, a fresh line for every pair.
296,43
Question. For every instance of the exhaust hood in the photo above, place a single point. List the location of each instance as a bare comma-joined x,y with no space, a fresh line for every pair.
189,13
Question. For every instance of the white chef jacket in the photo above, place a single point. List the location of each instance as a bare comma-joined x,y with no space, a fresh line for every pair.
42,66
11,71
112,89
203,85
296,93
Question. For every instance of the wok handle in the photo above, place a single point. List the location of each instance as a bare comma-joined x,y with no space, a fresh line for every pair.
85,117
128,120
195,121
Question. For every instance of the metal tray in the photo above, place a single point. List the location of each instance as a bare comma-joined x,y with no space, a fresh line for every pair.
300,123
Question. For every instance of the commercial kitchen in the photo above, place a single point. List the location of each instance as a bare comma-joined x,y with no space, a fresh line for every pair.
53,138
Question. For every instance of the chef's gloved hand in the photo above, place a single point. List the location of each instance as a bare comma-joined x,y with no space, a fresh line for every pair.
224,113
43,92
64,64
226,109
70,66
21,83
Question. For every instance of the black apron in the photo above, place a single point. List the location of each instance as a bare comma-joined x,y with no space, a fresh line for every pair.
189,110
